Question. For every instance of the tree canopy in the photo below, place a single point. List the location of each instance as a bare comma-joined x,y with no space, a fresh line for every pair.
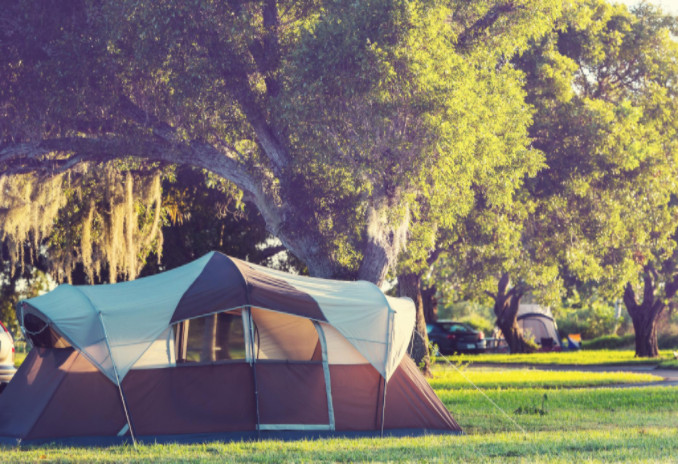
331,118
602,212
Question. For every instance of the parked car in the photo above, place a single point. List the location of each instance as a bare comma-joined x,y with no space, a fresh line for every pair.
456,337
7,369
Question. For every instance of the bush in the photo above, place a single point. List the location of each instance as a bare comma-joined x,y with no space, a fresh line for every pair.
668,341
592,319
478,322
476,315
609,342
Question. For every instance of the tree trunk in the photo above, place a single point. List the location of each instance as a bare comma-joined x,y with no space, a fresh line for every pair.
409,285
384,243
506,304
428,296
645,315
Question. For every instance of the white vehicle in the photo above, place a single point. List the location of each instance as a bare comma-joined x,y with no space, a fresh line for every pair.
7,369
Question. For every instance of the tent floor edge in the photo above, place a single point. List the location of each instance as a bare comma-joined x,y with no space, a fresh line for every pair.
227,437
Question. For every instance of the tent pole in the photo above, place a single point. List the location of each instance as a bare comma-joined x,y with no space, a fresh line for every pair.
383,407
254,367
389,334
326,374
117,379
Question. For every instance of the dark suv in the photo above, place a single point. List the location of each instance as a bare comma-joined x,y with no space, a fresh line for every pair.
7,369
456,337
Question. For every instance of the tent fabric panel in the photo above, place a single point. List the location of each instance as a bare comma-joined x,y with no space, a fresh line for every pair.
135,313
267,290
355,393
75,317
26,396
412,403
188,399
358,310
86,403
528,308
292,393
401,327
339,350
160,354
283,336
539,327
219,286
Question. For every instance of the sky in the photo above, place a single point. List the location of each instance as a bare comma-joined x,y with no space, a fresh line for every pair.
669,6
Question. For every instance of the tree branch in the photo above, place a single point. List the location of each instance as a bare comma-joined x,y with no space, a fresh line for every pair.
52,156
247,99
467,36
272,251
490,294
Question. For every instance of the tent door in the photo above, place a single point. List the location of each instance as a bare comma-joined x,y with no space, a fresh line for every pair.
296,395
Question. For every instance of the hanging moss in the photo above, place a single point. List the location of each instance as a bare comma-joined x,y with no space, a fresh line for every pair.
106,219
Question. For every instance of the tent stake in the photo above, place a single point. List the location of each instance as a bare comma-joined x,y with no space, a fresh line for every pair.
117,379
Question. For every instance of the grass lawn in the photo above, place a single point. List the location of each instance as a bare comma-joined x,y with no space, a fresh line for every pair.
570,424
635,444
19,358
572,358
447,378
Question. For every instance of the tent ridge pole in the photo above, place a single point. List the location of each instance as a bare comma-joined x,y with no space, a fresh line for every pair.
117,379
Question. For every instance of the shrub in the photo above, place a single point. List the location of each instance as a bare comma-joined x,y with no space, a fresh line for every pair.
478,316
668,341
609,342
592,320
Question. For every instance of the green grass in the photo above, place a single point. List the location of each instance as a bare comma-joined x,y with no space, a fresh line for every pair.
567,409
448,378
636,444
669,363
19,358
575,358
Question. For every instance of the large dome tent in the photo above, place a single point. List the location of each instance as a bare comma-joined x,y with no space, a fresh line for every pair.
217,349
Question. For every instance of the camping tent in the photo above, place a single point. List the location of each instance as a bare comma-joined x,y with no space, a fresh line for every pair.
217,349
538,323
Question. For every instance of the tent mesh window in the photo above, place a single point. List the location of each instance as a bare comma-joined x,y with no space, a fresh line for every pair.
216,337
